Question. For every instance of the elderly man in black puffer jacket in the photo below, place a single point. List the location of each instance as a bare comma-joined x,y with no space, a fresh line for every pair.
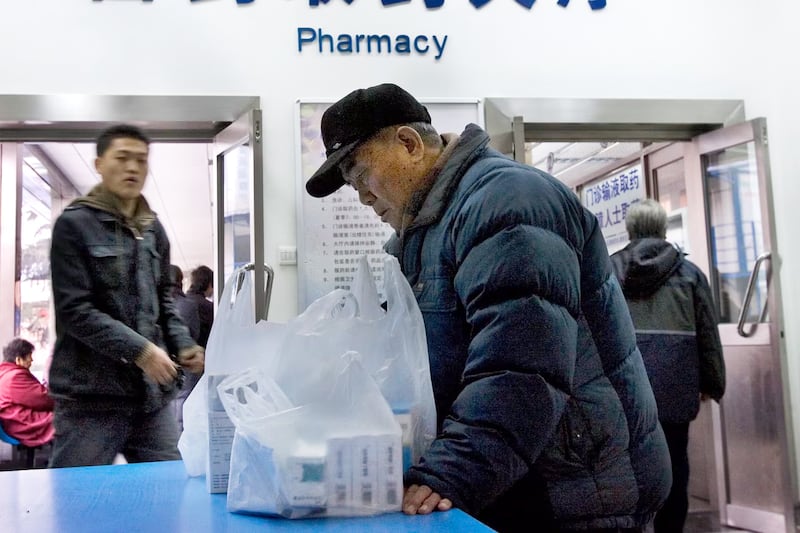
546,418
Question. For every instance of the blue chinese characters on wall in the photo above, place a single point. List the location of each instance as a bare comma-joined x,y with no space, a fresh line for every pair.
434,4
609,200
430,4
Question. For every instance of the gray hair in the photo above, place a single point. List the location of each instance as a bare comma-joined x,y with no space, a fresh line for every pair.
429,135
646,219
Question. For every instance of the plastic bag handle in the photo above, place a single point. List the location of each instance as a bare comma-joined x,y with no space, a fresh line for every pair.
243,404
234,305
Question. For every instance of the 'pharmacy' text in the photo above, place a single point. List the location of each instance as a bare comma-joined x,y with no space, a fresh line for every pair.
359,43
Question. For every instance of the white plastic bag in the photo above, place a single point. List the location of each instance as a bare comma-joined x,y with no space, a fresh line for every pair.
298,418
193,443
339,456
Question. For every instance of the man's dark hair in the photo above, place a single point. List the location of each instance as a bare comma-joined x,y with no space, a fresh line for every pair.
202,278
17,348
119,131
176,276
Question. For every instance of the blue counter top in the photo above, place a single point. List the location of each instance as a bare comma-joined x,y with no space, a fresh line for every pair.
161,497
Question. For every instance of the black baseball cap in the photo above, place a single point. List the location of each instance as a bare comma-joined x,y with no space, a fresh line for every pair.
353,120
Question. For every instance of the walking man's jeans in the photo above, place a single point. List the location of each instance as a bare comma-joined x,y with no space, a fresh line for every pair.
87,436
672,516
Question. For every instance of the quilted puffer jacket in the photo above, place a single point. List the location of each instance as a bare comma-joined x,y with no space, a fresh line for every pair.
547,420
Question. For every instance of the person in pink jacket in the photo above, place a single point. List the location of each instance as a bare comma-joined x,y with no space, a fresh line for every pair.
26,411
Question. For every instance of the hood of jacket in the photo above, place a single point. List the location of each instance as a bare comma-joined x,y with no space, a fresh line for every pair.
101,198
7,367
644,265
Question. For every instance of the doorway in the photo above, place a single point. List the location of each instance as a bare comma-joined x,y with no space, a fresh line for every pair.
34,130
728,190
709,169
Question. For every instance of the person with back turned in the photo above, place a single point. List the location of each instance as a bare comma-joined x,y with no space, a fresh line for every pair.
120,346
197,313
676,329
546,418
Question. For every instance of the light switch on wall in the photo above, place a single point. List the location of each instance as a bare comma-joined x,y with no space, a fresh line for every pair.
287,255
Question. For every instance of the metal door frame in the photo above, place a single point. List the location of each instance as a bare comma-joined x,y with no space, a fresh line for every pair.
246,129
10,200
79,117
510,122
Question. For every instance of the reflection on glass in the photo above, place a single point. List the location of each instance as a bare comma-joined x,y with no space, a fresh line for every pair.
238,174
736,236
670,187
34,263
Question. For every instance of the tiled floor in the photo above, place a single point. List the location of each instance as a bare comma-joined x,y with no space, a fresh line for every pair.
702,519
705,522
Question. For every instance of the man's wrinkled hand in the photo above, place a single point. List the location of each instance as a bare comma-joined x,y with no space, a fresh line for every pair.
420,499
193,359
156,365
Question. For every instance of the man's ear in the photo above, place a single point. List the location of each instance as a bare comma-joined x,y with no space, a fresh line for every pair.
411,140
97,164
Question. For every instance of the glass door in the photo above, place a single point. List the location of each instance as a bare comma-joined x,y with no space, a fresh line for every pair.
755,447
716,190
239,206
10,197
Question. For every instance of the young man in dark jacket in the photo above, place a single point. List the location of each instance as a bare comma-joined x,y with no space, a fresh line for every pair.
112,373
546,418
676,329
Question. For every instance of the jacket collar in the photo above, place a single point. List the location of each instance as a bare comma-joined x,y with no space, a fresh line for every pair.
108,203
455,164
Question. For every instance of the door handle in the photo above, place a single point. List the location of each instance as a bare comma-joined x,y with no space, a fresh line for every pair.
268,289
748,295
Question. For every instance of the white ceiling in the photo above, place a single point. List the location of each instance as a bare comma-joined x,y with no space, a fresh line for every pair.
178,189
571,162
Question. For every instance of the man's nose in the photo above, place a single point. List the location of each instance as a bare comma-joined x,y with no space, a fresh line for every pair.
365,196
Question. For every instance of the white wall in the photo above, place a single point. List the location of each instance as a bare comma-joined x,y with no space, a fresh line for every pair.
631,49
